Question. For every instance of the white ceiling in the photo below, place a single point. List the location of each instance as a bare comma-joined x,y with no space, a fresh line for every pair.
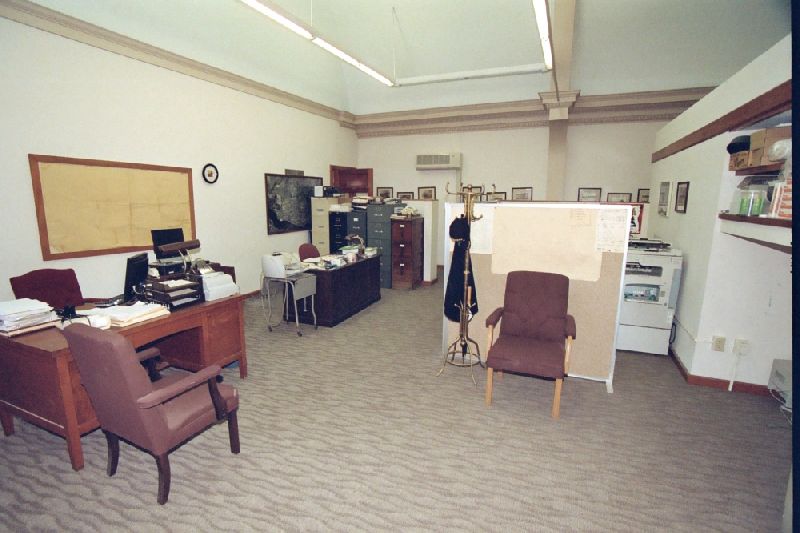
619,45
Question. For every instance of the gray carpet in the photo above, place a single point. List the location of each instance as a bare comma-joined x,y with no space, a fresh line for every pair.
349,429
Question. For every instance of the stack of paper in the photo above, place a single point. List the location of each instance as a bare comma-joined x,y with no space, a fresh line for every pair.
125,315
25,315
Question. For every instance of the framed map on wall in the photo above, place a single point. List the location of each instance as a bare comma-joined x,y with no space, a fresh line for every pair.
289,202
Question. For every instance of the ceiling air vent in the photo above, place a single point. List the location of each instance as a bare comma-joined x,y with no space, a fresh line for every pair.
438,161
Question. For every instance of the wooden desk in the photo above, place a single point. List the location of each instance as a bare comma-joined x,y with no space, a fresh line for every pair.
39,380
343,292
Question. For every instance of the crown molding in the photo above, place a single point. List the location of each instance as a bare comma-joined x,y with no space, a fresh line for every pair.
57,23
598,109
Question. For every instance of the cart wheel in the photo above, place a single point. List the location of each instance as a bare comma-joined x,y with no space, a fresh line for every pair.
315,326
299,333
269,328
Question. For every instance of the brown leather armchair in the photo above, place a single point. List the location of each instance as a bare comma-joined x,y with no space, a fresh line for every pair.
155,417
537,333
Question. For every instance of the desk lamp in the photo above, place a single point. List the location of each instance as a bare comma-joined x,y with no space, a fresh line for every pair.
353,237
183,249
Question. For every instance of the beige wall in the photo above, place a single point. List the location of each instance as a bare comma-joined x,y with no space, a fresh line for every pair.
63,98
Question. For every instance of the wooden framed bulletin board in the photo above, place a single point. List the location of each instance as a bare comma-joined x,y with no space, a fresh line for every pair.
88,207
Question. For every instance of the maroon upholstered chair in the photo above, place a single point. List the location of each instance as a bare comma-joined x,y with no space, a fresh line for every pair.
536,334
307,250
155,417
59,288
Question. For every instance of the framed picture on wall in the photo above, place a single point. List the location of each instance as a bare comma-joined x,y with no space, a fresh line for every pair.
643,196
681,196
590,194
384,192
664,189
289,202
522,193
426,193
618,197
495,196
405,195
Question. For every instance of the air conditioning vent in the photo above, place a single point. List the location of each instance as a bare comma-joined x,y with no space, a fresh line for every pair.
438,161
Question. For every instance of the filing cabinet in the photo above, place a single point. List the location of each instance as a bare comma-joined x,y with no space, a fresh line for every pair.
407,252
320,222
379,235
357,223
338,230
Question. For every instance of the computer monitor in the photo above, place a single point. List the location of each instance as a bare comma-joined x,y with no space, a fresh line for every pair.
166,236
135,274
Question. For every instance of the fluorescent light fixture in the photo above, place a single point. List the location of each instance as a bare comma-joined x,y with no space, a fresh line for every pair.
325,45
322,43
280,19
540,8
473,74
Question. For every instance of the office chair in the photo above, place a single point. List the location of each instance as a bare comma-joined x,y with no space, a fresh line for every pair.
307,250
537,333
60,289
155,417
300,285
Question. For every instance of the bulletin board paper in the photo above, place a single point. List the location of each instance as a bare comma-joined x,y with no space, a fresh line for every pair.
92,207
547,240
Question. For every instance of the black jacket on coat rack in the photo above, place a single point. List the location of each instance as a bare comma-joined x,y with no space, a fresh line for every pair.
454,293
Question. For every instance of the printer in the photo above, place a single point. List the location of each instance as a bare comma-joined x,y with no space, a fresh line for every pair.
218,285
652,281
280,264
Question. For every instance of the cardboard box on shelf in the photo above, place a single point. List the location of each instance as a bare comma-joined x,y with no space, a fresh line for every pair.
739,160
762,140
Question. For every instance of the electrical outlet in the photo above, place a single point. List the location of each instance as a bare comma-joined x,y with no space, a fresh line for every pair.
718,343
741,346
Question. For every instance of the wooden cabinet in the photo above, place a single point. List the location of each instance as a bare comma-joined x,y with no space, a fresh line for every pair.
407,252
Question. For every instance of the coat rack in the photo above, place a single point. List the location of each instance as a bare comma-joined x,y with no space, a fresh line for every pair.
464,344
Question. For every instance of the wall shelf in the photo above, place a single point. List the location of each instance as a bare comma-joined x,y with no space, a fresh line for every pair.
772,168
775,233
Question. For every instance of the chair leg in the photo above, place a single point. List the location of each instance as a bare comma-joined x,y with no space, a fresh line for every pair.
113,452
489,372
162,461
557,398
233,431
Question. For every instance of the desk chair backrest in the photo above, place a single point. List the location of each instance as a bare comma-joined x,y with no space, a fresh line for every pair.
114,380
57,287
308,250
535,305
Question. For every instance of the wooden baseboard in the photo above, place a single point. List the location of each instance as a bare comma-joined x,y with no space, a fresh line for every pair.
429,283
716,383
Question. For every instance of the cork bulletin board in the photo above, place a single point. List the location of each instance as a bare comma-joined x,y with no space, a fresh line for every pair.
87,207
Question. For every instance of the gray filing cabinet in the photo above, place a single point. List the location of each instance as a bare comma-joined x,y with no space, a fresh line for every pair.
379,235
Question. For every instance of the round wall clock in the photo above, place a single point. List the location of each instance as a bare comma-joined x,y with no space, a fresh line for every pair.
210,173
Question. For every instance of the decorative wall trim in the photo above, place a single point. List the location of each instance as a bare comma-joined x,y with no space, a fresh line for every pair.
716,383
772,102
51,21
599,109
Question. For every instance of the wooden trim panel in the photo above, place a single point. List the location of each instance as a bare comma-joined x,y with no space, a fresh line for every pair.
772,102
716,383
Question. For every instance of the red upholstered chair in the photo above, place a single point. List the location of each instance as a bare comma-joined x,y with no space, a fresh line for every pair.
307,250
155,417
536,334
59,288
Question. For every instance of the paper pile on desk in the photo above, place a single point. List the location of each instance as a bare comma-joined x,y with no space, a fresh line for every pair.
25,315
125,315
218,285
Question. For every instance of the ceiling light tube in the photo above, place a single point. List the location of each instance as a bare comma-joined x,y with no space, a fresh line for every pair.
495,72
280,19
347,58
540,9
